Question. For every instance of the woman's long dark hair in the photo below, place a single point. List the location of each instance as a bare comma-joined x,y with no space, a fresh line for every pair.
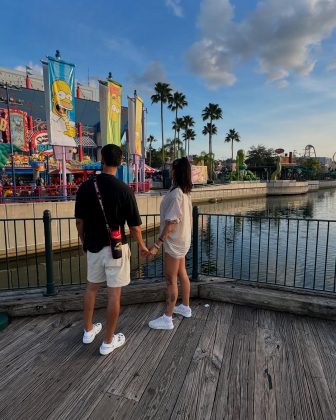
182,175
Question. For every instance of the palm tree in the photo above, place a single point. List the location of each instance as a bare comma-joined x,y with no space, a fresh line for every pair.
210,129
232,136
188,122
150,140
211,112
177,101
177,126
188,135
162,95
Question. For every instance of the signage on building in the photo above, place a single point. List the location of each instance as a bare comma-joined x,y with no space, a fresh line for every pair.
3,124
18,128
60,102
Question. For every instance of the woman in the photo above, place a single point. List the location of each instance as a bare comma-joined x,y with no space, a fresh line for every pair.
175,236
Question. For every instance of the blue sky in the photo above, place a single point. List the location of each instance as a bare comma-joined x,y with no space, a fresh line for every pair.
270,65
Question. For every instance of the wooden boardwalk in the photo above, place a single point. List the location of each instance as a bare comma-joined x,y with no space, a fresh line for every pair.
227,361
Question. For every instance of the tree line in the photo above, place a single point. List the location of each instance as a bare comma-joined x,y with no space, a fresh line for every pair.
176,101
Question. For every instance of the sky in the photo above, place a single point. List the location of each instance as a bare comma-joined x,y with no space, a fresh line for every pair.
270,65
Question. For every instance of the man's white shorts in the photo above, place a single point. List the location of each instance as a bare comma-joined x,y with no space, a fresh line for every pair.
102,267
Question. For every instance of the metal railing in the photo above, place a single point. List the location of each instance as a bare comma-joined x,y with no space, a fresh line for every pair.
46,252
32,193
298,253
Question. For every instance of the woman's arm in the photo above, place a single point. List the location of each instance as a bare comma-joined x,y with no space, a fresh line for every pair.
169,227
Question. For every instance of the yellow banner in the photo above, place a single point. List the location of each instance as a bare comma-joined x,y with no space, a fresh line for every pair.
138,125
110,112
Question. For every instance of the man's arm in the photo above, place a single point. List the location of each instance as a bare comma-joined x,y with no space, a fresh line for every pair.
137,235
80,229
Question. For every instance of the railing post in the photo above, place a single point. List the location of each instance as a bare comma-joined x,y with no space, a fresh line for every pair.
48,253
195,245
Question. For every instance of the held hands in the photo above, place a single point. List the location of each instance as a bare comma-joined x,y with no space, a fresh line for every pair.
153,251
144,251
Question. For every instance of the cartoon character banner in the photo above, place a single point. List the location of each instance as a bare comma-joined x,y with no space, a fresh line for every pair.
18,127
135,113
199,174
110,112
59,82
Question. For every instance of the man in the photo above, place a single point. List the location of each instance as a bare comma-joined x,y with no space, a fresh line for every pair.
120,206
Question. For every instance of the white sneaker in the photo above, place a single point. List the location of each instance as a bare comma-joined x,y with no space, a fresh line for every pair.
117,341
161,323
89,336
183,310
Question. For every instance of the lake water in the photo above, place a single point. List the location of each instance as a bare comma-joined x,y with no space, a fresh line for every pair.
288,240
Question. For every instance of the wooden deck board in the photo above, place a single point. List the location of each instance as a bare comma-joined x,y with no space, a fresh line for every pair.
197,395
227,361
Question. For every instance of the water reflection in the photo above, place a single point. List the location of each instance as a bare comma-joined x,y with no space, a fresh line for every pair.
262,247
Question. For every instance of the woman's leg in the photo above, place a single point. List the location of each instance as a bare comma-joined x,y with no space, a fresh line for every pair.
184,281
171,267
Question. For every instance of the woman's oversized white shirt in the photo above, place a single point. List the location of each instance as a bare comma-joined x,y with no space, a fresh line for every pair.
176,207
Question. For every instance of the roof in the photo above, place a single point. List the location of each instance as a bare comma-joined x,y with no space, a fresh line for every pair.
86,142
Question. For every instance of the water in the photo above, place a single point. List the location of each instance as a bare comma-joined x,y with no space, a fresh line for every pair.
315,205
288,240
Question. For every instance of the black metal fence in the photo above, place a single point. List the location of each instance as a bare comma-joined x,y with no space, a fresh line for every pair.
46,252
298,253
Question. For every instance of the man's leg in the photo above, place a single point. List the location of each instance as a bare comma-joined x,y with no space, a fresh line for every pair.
171,266
89,304
184,281
112,312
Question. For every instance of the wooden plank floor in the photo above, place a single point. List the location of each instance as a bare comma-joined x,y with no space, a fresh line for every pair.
226,362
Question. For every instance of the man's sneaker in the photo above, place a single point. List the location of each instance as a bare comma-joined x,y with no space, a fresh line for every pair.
117,341
183,310
89,336
162,323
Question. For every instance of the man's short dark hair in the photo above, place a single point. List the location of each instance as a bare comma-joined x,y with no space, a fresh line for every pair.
111,155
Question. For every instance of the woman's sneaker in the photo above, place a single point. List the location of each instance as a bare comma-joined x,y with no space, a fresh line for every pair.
163,323
183,310
89,336
118,340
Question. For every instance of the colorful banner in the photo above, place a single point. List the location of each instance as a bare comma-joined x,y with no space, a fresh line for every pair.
199,174
110,112
18,127
59,82
135,118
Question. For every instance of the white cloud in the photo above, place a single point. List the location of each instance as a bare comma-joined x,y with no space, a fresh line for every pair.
125,48
279,35
36,68
154,72
332,65
175,6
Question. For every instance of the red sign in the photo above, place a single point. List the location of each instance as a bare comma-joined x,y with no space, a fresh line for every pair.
279,151
39,138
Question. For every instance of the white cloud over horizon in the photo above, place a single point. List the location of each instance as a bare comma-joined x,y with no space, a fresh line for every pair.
36,68
154,72
279,35
175,6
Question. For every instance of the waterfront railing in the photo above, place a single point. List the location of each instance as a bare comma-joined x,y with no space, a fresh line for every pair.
282,252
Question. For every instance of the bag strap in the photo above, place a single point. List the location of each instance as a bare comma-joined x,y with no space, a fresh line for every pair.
101,204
